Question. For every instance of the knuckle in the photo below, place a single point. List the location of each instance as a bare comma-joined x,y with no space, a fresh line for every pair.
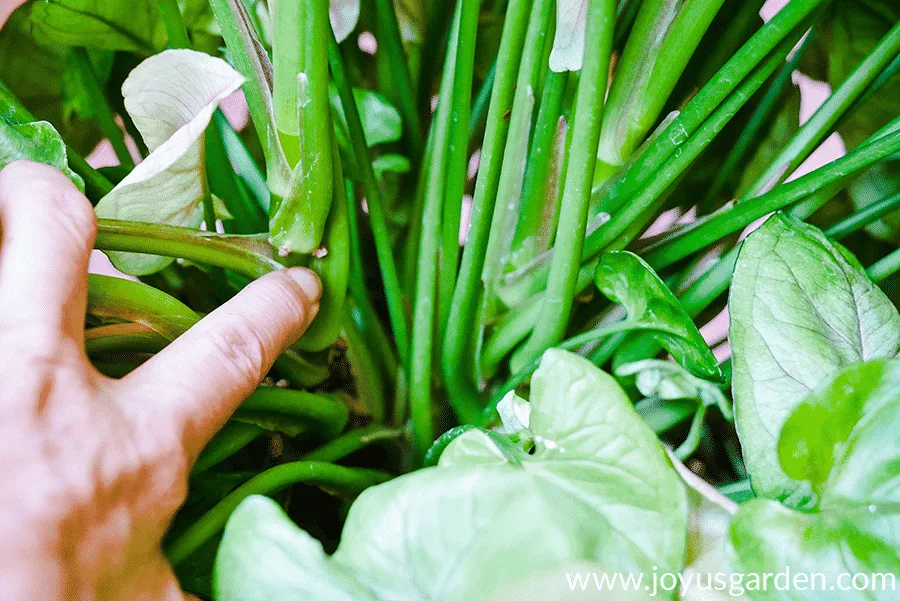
241,349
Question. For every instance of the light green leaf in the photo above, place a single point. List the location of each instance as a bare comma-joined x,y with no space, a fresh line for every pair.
598,493
344,15
36,141
665,380
625,278
801,309
171,98
842,442
381,121
568,41
390,163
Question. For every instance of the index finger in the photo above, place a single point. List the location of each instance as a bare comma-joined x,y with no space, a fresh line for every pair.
199,380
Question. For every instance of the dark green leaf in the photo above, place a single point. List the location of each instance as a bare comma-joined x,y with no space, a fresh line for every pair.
801,309
850,30
625,278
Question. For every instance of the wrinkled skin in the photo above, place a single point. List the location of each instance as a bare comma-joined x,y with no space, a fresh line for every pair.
95,468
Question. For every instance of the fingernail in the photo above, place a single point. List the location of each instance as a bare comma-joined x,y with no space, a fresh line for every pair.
308,282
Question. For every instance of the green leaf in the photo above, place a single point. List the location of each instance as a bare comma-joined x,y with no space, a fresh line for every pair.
381,121
598,493
134,26
390,163
171,97
665,380
625,278
37,141
801,309
842,442
37,76
568,40
102,24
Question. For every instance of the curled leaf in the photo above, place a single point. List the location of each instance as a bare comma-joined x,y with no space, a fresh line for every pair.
171,98
625,278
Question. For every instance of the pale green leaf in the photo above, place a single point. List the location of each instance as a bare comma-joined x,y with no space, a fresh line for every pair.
801,309
344,14
102,24
171,98
568,41
598,494
842,442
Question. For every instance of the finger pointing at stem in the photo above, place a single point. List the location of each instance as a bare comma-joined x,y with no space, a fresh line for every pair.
199,380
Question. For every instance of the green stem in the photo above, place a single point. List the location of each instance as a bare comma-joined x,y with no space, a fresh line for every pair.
824,119
249,56
334,477
864,217
690,444
576,196
377,218
287,63
480,106
390,43
532,234
233,437
662,41
457,157
424,310
364,313
120,300
459,339
96,186
125,300
174,24
123,338
370,388
731,219
325,414
515,156
224,182
788,24
187,243
105,117
761,116
885,267
351,442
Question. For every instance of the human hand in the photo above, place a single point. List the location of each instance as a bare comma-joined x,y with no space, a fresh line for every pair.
95,468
